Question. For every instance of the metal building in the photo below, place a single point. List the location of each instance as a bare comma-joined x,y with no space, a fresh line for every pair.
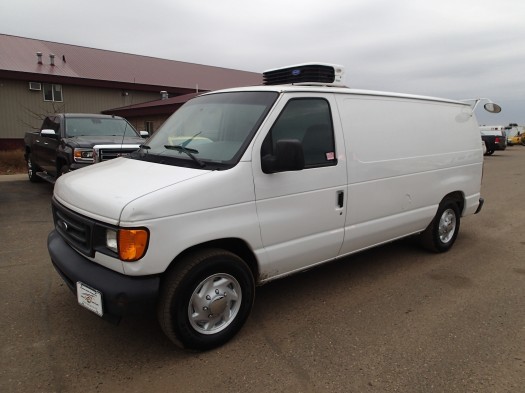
41,77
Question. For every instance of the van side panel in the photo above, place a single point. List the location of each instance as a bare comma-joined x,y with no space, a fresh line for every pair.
404,156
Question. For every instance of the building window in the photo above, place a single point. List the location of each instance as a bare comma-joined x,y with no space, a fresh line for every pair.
148,125
52,92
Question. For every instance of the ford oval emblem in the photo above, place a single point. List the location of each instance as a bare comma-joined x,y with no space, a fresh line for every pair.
296,72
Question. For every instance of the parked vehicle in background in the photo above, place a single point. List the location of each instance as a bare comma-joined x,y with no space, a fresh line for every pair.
514,134
243,186
65,142
495,138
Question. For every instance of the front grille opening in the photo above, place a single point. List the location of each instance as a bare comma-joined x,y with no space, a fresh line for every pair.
109,154
74,228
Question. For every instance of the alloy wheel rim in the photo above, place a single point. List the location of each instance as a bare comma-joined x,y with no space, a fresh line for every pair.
447,225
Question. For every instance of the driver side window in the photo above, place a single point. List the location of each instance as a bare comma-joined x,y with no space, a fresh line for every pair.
309,121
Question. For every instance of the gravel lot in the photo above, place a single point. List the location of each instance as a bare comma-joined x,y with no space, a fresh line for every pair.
394,318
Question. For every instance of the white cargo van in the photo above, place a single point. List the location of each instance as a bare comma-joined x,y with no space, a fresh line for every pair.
243,186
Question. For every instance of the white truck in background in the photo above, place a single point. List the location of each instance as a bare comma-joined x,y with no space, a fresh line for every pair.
495,138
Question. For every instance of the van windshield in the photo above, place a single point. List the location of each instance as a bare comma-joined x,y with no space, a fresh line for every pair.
211,130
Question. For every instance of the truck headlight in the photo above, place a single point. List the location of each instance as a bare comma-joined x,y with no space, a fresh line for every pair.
129,243
83,155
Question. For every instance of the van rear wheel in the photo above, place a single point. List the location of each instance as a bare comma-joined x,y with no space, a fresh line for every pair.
442,232
205,299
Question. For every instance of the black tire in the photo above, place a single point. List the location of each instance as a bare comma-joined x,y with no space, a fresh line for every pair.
489,152
205,299
442,232
32,169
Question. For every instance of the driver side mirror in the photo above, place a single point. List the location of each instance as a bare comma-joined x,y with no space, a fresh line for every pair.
49,133
289,156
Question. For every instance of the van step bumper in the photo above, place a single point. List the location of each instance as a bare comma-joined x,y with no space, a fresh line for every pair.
481,202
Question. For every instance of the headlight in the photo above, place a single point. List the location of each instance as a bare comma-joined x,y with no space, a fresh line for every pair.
111,240
129,244
83,155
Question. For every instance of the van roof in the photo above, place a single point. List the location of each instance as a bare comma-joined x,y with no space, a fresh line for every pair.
299,88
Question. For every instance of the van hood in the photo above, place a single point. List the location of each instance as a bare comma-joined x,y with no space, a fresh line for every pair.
101,191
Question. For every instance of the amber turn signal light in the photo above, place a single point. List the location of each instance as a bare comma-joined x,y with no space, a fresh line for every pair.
132,244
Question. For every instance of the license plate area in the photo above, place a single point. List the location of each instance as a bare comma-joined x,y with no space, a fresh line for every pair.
89,298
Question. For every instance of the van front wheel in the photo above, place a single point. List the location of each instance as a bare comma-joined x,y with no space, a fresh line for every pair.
441,233
205,299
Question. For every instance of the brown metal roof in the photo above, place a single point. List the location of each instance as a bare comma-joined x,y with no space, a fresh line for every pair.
89,65
157,107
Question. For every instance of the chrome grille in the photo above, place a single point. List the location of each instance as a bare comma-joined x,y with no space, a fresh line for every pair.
109,154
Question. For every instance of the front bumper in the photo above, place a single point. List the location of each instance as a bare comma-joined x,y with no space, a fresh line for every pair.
121,295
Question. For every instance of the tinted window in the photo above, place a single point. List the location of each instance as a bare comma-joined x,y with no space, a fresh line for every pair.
310,122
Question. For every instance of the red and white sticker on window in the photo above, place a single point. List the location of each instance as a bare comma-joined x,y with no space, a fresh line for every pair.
330,156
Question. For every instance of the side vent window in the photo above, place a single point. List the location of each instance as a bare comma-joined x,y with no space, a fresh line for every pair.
309,121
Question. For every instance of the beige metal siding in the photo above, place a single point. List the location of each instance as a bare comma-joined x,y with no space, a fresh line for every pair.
22,110
95,100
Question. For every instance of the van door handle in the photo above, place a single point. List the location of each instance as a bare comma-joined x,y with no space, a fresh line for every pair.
340,198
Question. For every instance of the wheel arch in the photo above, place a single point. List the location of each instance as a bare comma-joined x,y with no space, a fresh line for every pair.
234,245
458,197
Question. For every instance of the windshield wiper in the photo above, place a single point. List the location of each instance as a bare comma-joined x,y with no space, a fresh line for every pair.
185,143
188,151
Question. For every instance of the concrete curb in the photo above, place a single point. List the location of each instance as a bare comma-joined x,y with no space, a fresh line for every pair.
18,177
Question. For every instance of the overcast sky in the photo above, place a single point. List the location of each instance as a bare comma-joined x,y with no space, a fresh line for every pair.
447,48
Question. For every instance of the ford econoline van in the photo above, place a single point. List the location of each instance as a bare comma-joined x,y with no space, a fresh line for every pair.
243,186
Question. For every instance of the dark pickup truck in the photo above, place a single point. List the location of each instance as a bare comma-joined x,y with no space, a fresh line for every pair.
70,141
495,138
